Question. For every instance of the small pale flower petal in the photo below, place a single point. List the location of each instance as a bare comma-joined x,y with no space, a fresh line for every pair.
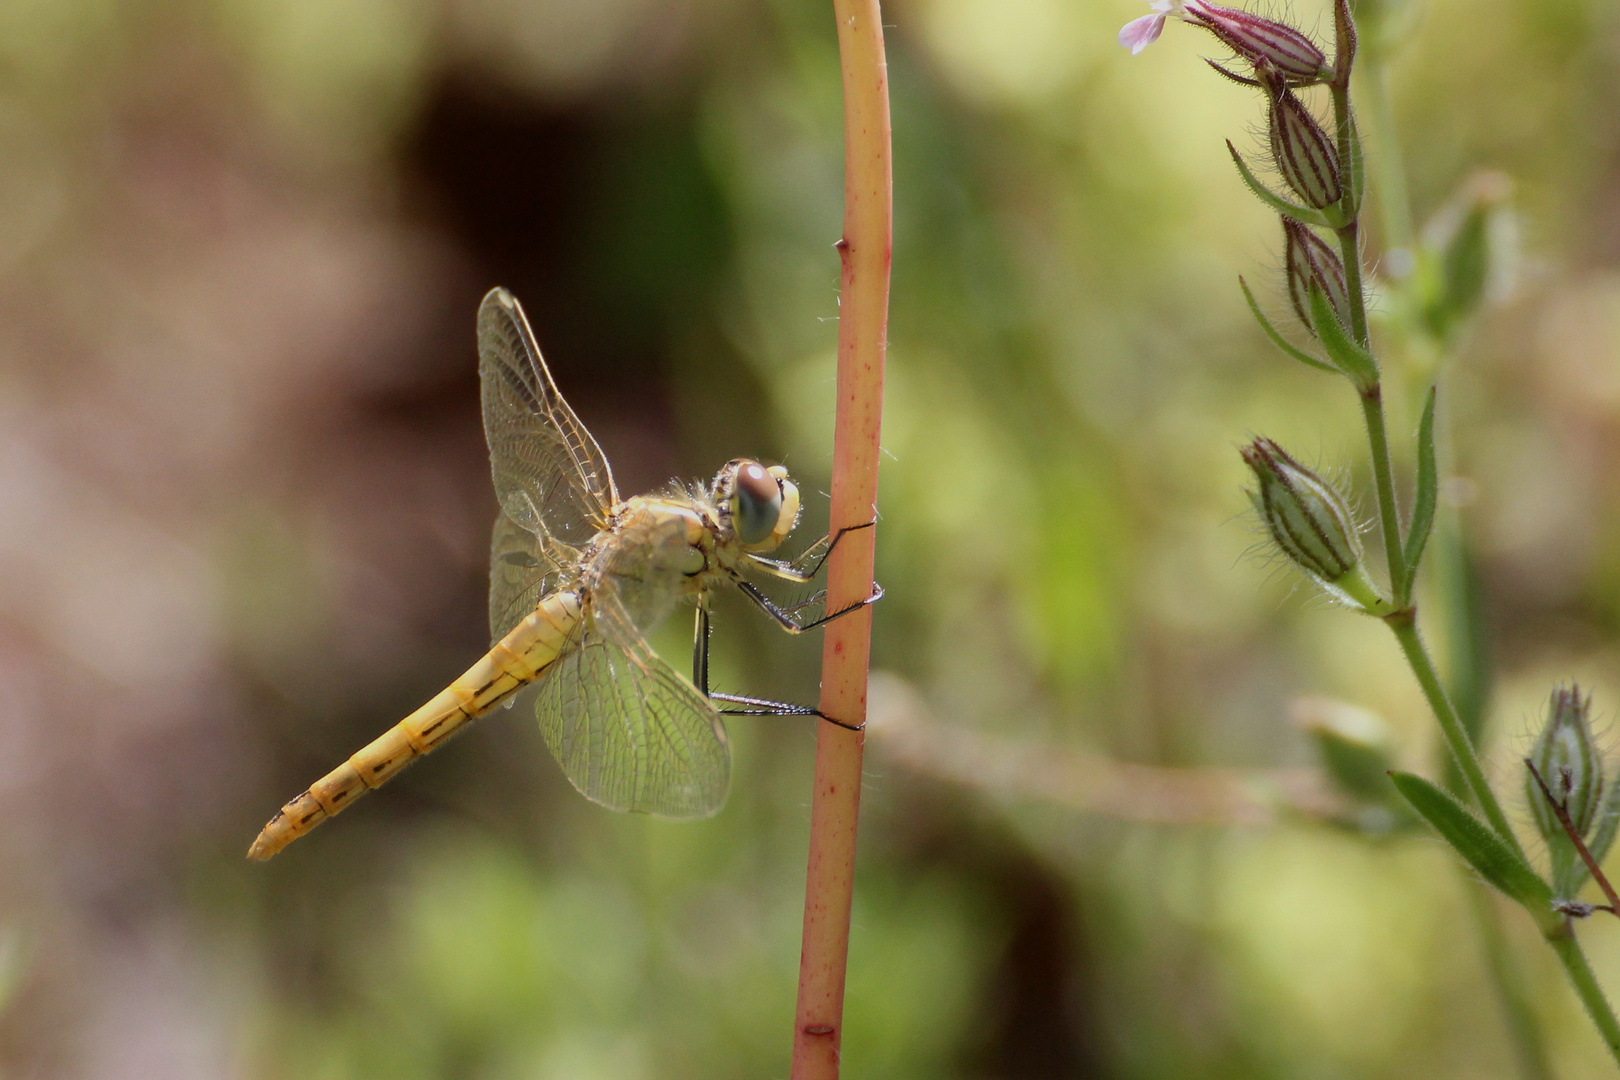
1138,34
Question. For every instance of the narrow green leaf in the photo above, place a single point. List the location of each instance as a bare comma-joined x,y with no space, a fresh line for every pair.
1485,851
1423,502
1348,356
1303,214
1469,675
1465,265
1277,339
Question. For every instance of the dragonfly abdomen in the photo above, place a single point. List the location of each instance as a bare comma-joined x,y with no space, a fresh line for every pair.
516,660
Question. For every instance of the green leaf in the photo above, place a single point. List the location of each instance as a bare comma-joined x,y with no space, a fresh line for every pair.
1359,768
1277,339
1349,357
1303,214
1423,502
1465,265
1469,676
1485,851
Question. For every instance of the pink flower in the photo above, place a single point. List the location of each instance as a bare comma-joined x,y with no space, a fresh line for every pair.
1257,40
1138,34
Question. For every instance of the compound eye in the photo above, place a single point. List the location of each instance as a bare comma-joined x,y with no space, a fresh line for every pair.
756,504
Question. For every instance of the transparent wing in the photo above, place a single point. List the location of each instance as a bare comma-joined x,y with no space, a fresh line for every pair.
521,572
632,734
550,476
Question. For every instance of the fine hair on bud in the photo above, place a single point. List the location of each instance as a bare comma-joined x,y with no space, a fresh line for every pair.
1294,57
1570,764
1305,516
1303,151
1310,261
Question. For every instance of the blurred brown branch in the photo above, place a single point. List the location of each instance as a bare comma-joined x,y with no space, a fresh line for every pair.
907,731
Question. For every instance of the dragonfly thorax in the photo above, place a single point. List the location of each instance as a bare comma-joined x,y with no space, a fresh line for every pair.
660,550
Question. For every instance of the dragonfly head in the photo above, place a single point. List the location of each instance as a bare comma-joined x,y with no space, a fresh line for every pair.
761,504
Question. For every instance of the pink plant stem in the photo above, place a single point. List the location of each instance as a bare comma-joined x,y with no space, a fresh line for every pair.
862,337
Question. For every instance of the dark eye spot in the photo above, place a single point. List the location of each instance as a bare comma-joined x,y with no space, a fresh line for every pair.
758,484
758,503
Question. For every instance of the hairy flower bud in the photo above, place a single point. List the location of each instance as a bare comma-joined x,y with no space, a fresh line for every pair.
1259,41
1310,261
1303,151
1308,519
1569,763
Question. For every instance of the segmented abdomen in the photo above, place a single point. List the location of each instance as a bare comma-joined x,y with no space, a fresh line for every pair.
516,660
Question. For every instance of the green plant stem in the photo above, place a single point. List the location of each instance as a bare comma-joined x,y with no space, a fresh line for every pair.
1398,232
1524,1028
1350,252
1349,235
1563,941
1372,411
1404,625
1372,397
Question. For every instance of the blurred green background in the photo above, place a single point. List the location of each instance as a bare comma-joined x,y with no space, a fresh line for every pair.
244,510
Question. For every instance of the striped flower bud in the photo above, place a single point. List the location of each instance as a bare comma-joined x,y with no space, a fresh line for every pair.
1263,41
1569,763
1260,41
1304,153
1310,261
1306,517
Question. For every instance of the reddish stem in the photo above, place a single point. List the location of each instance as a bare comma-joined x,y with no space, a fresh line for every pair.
862,338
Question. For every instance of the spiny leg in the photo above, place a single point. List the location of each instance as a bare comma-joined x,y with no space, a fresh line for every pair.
767,707
758,706
700,650
784,616
810,601
789,570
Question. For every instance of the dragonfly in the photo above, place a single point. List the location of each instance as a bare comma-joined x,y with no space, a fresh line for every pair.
578,578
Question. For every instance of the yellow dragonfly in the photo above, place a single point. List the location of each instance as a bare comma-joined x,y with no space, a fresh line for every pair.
578,577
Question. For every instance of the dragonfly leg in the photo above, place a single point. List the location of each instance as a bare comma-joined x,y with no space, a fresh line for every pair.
766,707
700,650
790,569
756,706
785,616
810,601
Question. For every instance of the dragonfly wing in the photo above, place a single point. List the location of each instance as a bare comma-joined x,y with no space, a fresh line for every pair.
631,733
522,570
550,476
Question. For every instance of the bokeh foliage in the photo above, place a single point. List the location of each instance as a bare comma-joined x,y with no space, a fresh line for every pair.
244,509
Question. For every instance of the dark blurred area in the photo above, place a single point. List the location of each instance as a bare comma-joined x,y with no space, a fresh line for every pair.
245,509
